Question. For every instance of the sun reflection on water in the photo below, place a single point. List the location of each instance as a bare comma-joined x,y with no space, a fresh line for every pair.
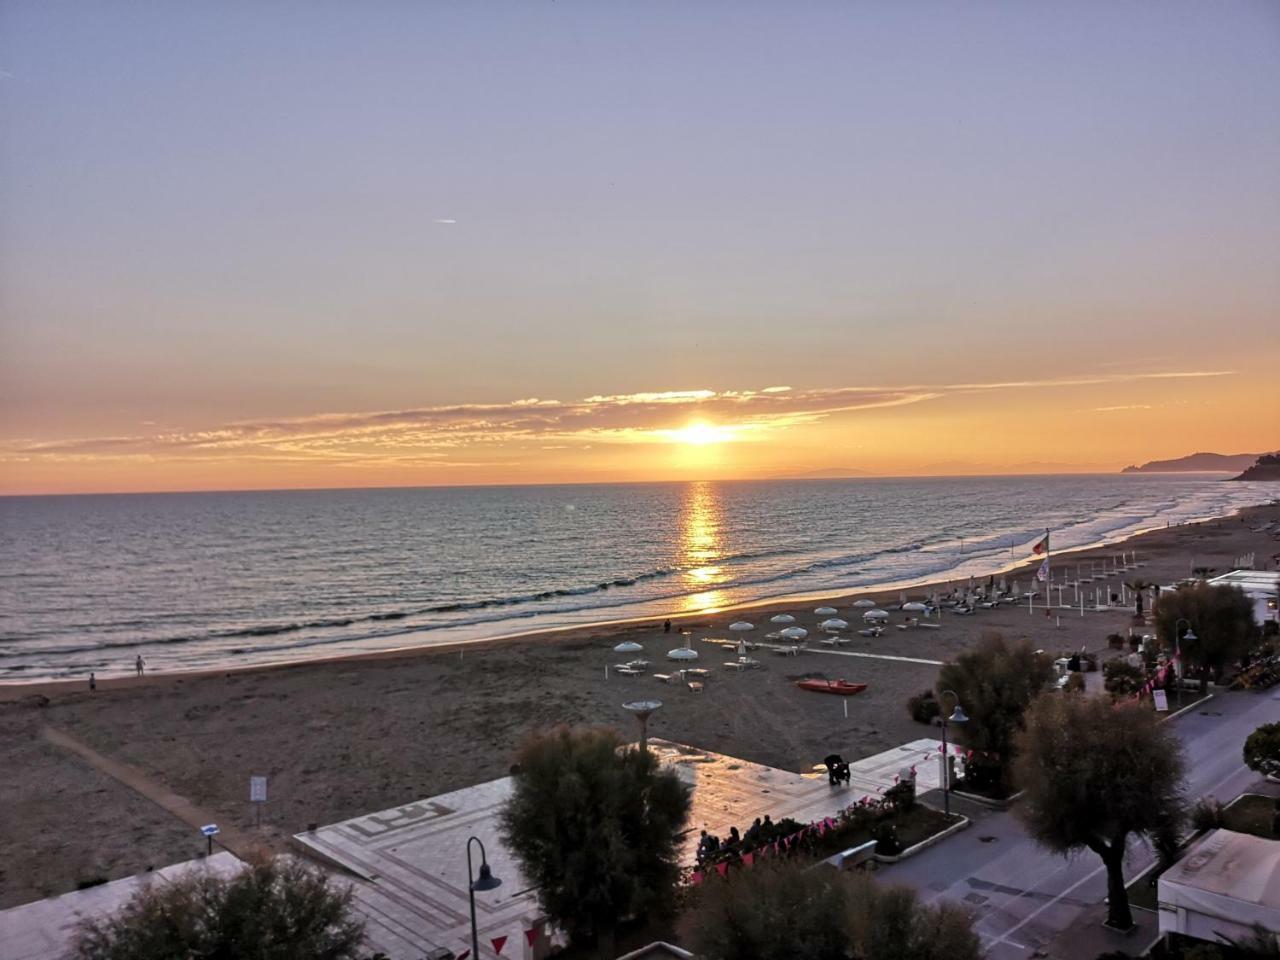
700,546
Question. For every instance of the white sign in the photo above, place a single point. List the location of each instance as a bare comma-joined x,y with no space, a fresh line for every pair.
257,789
1162,700
209,829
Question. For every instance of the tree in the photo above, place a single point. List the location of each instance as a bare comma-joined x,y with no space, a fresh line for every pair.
1093,773
784,909
1121,679
995,682
1222,618
1262,749
278,909
596,829
1139,588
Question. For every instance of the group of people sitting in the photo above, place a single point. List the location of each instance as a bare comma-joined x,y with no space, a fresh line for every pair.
760,832
837,770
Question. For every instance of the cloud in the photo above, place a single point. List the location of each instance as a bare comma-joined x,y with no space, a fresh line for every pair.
444,220
1123,406
469,433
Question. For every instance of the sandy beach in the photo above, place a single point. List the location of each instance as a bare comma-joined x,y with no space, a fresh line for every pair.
342,737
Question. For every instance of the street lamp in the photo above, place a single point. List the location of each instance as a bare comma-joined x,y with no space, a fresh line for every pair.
957,716
1190,636
486,881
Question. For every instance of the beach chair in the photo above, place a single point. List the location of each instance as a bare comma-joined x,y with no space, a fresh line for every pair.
695,686
627,671
664,677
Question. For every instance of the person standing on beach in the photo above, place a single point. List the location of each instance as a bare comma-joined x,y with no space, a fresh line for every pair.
139,664
93,681
666,626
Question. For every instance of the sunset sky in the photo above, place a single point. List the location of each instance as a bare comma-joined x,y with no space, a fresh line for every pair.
249,245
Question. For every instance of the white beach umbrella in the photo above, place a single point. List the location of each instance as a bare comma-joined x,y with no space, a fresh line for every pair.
741,626
915,607
825,611
864,602
795,633
628,646
834,624
875,615
682,653
782,618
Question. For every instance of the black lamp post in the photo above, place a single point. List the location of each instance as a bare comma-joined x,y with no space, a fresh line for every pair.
486,881
1189,636
957,716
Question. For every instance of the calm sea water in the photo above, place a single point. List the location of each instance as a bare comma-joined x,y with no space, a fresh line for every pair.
199,580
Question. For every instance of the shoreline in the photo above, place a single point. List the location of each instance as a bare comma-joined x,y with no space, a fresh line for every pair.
11,689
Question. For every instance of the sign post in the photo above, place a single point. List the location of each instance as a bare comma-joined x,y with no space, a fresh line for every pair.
210,830
257,796
1161,699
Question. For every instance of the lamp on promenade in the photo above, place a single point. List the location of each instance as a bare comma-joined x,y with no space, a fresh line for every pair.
486,881
1190,637
957,716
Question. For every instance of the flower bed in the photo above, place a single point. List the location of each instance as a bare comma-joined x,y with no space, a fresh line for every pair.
895,821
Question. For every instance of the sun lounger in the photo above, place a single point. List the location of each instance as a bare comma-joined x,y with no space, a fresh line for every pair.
627,671
787,651
695,686
698,673
664,677
735,665
929,626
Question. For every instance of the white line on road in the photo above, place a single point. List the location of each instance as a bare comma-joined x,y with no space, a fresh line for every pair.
876,656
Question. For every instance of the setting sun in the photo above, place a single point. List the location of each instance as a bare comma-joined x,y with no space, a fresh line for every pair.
700,433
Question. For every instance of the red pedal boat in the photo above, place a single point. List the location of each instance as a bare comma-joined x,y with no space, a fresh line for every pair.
843,687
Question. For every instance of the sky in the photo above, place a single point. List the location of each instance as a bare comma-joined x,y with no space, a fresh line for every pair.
288,244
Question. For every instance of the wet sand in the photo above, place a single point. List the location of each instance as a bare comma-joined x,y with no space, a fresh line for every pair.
342,737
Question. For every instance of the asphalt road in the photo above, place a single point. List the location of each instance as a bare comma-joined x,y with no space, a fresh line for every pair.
1023,896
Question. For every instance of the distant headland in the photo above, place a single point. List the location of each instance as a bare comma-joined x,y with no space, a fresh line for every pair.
1199,463
1266,468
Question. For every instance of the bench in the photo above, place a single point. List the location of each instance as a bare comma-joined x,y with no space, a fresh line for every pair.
855,857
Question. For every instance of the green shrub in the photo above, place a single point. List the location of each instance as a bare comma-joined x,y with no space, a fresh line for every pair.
1207,814
1121,679
924,707
1074,684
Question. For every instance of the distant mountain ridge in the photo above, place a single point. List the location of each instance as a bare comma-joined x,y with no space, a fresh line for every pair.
1198,462
1267,468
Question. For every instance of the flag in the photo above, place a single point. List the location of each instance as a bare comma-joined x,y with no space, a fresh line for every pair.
498,944
532,935
1042,546
1043,573
748,858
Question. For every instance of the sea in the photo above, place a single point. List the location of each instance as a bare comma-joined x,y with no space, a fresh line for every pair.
210,580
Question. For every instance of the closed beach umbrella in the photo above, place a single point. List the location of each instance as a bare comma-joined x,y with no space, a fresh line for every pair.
864,603
835,624
875,615
741,626
795,633
628,646
825,611
682,653
915,607
782,618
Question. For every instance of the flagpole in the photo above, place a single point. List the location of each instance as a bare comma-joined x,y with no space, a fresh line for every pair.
1048,566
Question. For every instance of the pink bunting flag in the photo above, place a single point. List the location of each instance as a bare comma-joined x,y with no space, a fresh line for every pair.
748,858
696,877
722,868
498,944
464,954
531,936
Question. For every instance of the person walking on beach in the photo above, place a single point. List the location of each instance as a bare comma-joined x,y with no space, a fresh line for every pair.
666,626
93,681
139,664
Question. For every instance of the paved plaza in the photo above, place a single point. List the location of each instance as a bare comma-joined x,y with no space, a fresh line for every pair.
409,864
43,929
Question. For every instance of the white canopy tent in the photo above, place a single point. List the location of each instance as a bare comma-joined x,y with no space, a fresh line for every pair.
1222,887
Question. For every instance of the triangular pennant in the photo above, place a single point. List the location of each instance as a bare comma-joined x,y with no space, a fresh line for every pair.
464,954
696,877
722,868
748,858
532,935
498,944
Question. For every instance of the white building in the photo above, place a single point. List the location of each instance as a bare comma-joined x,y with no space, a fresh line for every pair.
1260,586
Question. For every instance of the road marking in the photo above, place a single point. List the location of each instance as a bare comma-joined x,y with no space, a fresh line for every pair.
875,656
